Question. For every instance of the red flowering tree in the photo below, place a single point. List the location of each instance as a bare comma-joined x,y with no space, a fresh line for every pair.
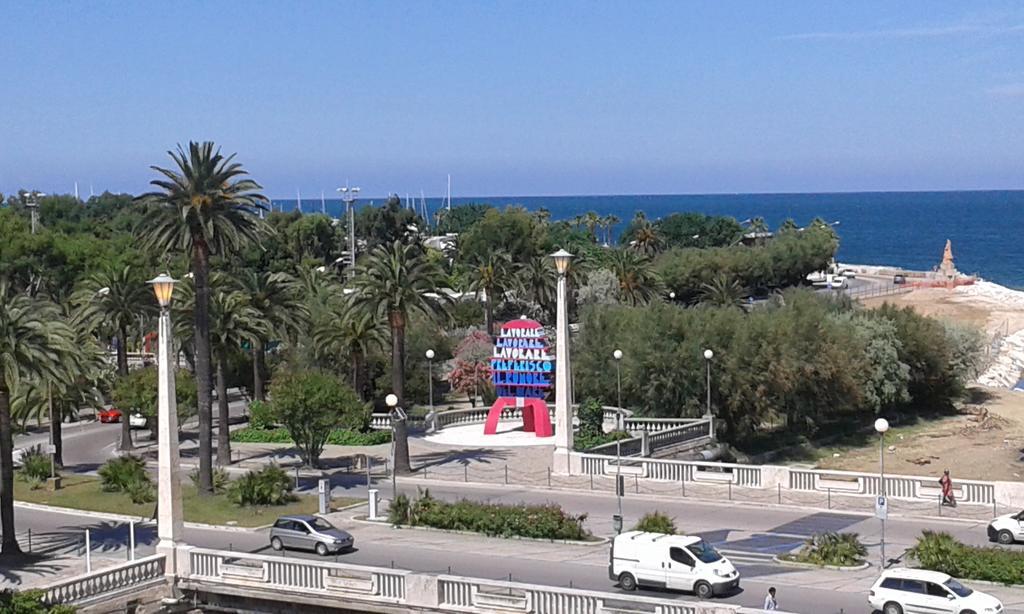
471,374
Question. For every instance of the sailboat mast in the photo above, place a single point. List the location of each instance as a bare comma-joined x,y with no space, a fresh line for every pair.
449,199
323,203
298,200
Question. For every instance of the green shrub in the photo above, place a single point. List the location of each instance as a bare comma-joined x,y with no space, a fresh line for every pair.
941,552
261,415
497,520
830,548
220,479
29,602
398,511
656,522
268,486
336,437
588,441
35,465
591,416
127,474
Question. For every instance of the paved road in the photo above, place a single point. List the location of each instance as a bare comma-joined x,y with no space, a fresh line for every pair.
748,534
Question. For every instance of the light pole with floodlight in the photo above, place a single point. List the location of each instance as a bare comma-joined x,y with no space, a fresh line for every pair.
563,392
170,522
349,196
708,355
33,207
881,426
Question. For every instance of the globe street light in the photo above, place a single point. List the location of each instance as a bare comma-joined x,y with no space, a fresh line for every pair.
708,355
563,392
617,355
881,426
170,522
430,378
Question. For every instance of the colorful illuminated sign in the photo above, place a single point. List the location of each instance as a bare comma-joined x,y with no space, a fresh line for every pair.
522,373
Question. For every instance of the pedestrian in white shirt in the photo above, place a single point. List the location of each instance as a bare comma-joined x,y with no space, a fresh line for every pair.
769,600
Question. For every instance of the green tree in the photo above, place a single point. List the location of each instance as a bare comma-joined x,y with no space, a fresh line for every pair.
205,207
490,275
392,282
638,282
461,218
275,296
346,330
33,338
311,405
538,280
513,231
722,292
137,391
643,236
114,300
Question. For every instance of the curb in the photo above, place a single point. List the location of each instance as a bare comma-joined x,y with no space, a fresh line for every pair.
600,541
678,499
788,563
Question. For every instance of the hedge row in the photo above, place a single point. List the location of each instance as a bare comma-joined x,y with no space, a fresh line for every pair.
337,437
941,552
497,520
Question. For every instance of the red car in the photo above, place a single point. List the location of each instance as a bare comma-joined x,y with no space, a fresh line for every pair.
109,415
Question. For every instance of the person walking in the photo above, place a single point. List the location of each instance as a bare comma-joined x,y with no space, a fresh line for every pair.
769,600
947,489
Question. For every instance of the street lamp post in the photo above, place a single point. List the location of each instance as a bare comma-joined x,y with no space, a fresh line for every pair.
170,522
708,355
430,379
881,426
563,392
349,196
617,355
397,415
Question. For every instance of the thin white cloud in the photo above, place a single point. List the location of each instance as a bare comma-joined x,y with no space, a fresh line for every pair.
953,30
1007,90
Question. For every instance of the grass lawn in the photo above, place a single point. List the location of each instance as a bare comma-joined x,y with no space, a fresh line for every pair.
83,493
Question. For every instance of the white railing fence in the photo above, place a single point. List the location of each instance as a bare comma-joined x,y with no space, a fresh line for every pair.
105,582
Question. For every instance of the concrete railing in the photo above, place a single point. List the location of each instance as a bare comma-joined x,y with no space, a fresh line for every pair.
325,583
896,486
613,416
655,437
106,582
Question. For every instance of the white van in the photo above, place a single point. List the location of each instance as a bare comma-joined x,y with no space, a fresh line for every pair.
678,562
1007,529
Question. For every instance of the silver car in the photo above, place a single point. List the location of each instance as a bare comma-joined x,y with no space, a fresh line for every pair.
305,532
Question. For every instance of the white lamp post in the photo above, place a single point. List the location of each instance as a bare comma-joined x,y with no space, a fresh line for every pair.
396,415
563,392
708,355
617,355
881,426
170,522
430,378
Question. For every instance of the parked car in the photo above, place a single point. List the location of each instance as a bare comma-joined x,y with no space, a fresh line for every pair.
306,532
910,591
679,562
109,415
848,273
1007,528
838,281
137,421
899,279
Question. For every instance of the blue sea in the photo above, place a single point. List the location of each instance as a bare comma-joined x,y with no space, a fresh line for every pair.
905,229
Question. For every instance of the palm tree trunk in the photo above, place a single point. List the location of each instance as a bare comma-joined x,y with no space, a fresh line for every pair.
223,416
204,372
122,370
57,434
359,374
9,546
489,314
402,464
258,368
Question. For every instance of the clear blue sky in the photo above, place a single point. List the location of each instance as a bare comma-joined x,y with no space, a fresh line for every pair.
519,98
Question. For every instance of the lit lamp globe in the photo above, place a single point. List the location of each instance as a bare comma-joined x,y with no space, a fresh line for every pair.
163,287
708,354
617,354
881,425
430,354
562,259
391,400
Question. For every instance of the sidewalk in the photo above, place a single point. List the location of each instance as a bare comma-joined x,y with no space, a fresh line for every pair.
33,571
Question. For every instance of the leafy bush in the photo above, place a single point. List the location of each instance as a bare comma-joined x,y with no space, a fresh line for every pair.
588,441
941,552
220,479
261,415
311,405
336,437
268,486
591,416
830,548
656,522
398,511
127,474
35,465
498,520
29,602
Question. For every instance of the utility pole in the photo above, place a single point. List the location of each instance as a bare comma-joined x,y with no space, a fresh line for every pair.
33,206
349,196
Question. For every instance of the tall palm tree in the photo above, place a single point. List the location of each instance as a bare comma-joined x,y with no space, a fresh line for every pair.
638,283
349,331
539,280
722,291
33,338
112,300
233,321
275,297
609,222
205,207
591,220
490,275
394,281
646,238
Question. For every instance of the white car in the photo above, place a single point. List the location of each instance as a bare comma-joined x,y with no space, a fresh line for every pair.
1007,529
678,562
918,591
137,421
